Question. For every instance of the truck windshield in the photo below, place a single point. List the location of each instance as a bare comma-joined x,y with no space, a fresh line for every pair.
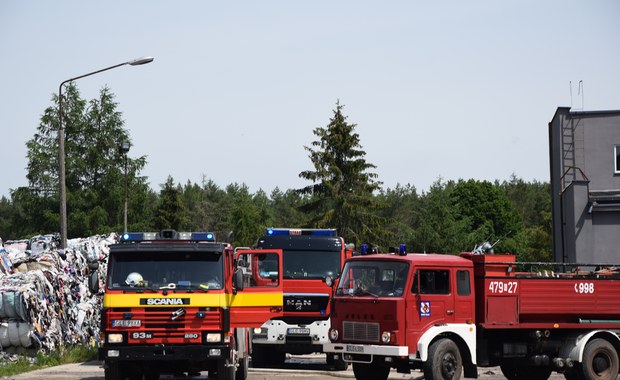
165,270
311,265
373,278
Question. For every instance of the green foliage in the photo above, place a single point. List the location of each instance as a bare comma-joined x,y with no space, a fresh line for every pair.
72,354
344,194
341,195
488,210
170,212
94,168
441,228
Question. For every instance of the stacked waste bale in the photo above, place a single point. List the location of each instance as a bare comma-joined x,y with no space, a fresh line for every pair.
44,297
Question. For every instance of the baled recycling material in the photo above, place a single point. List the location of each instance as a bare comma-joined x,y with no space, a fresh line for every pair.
45,302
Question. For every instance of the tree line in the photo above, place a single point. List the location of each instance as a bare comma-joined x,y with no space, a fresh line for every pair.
343,192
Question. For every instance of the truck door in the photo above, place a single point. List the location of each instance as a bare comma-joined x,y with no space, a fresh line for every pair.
261,297
431,300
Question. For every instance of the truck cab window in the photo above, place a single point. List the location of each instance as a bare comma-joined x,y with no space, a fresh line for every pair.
431,282
462,283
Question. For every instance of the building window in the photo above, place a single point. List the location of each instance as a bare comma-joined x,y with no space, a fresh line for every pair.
617,159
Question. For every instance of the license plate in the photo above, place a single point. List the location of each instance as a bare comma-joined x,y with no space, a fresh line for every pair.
354,348
298,331
126,323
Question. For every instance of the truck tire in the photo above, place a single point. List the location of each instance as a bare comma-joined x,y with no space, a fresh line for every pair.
112,371
225,371
444,361
242,370
600,361
372,371
338,363
259,356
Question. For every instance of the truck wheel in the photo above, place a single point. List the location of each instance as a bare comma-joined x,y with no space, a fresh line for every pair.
600,361
259,356
225,372
242,370
112,371
372,371
337,361
444,361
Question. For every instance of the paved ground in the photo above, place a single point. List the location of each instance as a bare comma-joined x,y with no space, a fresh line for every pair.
307,367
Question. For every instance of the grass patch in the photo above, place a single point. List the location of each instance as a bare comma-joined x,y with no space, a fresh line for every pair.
73,354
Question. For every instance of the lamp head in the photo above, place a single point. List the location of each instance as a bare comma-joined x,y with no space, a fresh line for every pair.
141,61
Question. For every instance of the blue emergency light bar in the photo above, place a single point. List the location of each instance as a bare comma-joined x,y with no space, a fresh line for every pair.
300,231
167,235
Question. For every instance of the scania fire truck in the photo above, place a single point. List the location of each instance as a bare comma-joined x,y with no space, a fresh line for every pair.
182,302
309,256
447,315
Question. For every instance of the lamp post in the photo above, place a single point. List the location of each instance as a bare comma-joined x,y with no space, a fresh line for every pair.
124,149
61,145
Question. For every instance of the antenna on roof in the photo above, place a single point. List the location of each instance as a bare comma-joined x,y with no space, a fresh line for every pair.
579,92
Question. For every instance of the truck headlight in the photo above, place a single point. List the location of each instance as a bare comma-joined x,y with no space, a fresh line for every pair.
333,334
385,337
214,337
115,338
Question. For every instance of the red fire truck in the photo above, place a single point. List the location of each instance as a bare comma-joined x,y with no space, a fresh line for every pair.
180,302
447,315
309,256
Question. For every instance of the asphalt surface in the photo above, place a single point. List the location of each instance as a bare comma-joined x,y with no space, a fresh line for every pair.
306,367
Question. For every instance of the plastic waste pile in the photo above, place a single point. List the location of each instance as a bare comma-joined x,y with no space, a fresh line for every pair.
44,297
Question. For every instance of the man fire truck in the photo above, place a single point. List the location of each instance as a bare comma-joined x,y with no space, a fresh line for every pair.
181,302
446,315
309,256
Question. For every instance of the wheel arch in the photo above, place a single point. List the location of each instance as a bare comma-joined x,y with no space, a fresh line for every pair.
464,336
576,352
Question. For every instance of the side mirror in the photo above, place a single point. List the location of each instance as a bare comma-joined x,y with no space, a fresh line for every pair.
93,282
238,279
329,281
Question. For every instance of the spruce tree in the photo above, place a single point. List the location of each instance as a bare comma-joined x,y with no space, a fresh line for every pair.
341,194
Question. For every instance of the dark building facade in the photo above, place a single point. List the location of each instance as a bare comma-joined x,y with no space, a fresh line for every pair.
584,150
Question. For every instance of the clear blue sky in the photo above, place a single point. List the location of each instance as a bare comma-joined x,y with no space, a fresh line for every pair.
449,89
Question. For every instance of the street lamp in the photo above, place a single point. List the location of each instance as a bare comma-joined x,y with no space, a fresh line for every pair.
61,145
124,149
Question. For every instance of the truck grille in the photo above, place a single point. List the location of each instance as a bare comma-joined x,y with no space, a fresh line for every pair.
360,331
305,302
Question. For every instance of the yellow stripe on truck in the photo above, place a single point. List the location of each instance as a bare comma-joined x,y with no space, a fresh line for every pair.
193,300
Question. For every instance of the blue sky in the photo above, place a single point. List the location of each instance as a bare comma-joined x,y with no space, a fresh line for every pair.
442,89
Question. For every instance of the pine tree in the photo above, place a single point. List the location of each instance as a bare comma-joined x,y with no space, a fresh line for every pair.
170,212
94,166
341,195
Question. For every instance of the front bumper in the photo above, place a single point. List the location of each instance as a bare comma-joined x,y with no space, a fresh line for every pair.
162,352
366,349
281,333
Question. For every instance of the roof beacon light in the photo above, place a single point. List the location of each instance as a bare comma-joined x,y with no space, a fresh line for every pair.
364,249
402,250
203,236
132,236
